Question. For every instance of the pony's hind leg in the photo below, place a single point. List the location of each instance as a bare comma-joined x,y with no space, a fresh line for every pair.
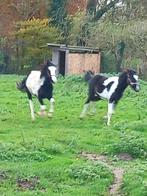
31,106
85,108
42,111
51,110
92,108
110,112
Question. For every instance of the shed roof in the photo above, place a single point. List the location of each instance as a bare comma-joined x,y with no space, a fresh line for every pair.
64,47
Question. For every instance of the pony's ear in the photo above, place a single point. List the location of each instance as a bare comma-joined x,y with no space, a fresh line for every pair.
48,63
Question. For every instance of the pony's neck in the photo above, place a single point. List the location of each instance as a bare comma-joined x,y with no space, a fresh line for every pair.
123,83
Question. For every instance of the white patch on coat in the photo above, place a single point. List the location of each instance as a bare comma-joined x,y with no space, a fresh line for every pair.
34,82
135,77
106,94
137,82
53,73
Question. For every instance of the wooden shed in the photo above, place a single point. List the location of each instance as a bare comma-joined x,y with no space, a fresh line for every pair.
75,60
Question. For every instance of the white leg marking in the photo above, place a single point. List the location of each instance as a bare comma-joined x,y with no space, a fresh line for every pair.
32,110
51,110
110,112
85,108
42,110
42,107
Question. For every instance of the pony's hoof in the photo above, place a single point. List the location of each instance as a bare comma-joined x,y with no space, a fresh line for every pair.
105,117
81,117
50,115
42,113
90,114
108,124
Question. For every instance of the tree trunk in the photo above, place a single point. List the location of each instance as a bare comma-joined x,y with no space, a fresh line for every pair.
144,68
119,53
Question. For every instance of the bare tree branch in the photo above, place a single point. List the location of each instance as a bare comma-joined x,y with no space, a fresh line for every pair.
104,9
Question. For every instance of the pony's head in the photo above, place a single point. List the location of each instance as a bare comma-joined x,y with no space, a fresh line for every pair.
88,75
133,79
52,70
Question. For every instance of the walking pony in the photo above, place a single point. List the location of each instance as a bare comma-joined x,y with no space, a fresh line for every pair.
40,84
112,89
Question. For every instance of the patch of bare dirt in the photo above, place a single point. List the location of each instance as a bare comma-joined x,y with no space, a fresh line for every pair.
117,172
30,184
93,157
125,157
3,175
115,187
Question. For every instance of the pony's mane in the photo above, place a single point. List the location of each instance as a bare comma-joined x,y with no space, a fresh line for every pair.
44,69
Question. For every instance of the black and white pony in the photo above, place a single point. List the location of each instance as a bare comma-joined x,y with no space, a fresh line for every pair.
40,84
112,88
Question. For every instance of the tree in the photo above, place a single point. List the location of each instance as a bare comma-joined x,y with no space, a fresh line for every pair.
31,38
14,10
98,8
119,53
58,14
128,8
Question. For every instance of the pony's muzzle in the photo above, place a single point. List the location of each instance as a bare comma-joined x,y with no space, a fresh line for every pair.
137,89
54,79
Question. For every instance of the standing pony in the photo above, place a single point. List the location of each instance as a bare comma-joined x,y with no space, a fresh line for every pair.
112,89
40,84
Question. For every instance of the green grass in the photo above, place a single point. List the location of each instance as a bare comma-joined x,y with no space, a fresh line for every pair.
45,153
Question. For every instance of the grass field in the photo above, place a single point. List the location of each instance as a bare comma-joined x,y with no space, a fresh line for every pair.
61,156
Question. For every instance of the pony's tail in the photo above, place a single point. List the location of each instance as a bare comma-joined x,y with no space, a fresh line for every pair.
88,76
21,85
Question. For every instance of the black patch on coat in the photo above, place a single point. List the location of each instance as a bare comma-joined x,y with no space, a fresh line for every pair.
109,85
95,86
122,85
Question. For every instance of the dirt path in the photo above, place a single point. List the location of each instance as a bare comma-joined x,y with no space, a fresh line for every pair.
118,172
115,187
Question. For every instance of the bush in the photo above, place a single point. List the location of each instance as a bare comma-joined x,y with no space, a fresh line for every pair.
13,153
130,143
88,172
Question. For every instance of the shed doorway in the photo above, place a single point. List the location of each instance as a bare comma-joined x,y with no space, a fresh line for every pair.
62,62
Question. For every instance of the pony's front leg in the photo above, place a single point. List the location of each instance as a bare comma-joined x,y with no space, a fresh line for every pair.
31,106
42,111
32,109
110,112
51,110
